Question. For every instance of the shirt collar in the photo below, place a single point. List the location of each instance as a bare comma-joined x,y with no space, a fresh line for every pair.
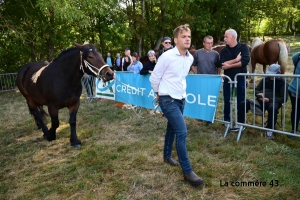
178,53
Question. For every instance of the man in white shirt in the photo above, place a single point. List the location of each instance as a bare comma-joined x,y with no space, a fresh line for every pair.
168,81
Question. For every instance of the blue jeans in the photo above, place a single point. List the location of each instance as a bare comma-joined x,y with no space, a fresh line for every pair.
173,110
240,96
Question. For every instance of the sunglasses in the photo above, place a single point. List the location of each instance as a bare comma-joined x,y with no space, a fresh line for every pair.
167,42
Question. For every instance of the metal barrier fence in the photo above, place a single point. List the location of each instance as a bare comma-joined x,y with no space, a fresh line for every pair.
285,115
8,82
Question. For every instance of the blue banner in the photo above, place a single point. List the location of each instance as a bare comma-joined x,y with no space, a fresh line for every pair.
135,89
202,96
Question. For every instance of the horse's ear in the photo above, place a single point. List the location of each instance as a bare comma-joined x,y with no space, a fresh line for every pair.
79,46
95,45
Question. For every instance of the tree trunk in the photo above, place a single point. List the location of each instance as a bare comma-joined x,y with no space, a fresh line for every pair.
51,34
163,20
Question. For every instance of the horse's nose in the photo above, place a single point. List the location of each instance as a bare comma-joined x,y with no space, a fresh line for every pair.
109,75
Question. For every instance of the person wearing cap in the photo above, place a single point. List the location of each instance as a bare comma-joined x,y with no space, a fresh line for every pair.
149,66
264,92
294,92
166,42
127,53
136,66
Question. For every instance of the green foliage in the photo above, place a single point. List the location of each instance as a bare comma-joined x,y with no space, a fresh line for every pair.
35,30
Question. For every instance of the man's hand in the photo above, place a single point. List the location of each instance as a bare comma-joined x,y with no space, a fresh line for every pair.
239,57
157,97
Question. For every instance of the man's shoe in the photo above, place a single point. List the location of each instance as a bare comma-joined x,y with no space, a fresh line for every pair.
269,135
171,161
193,179
237,128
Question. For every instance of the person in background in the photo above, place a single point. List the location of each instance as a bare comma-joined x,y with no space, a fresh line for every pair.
125,63
294,92
118,62
127,53
136,66
110,61
168,81
206,60
234,58
149,66
166,42
265,91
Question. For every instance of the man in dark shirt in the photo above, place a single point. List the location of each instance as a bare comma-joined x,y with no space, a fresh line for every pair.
234,59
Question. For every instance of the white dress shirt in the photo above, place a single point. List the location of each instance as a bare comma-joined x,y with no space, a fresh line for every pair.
169,74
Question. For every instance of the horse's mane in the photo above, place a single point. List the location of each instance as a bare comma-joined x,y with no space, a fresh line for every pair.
64,52
256,41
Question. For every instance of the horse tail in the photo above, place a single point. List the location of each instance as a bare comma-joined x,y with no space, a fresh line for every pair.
42,112
283,56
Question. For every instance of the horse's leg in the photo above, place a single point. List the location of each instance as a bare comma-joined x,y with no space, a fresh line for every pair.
264,68
53,112
38,117
253,65
72,121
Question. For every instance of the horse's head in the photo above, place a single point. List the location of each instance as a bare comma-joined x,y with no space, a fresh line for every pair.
93,63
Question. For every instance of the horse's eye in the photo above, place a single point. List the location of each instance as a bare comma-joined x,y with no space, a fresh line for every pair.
90,57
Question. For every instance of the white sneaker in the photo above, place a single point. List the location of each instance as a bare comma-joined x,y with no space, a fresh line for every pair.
152,112
269,135
237,128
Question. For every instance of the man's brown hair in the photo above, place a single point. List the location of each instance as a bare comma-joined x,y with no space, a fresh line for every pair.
180,29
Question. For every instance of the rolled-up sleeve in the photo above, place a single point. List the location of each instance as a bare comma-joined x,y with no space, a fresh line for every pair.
157,74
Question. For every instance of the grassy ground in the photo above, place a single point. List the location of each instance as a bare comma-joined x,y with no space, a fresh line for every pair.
121,158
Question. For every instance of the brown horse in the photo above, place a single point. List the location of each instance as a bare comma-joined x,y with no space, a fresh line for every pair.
270,52
58,85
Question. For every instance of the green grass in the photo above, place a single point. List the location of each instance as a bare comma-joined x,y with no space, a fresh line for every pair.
121,158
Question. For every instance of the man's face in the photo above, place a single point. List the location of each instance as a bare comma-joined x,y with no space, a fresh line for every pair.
108,54
127,52
208,43
228,38
166,44
117,55
183,41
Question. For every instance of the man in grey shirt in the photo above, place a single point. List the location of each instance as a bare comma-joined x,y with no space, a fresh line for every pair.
206,60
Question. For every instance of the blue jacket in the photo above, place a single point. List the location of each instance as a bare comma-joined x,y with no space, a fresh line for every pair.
293,85
135,67
225,56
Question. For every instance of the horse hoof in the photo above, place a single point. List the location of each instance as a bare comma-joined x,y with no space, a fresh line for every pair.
51,138
76,143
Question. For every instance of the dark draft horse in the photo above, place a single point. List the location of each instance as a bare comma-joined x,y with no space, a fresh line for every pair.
58,85
270,52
